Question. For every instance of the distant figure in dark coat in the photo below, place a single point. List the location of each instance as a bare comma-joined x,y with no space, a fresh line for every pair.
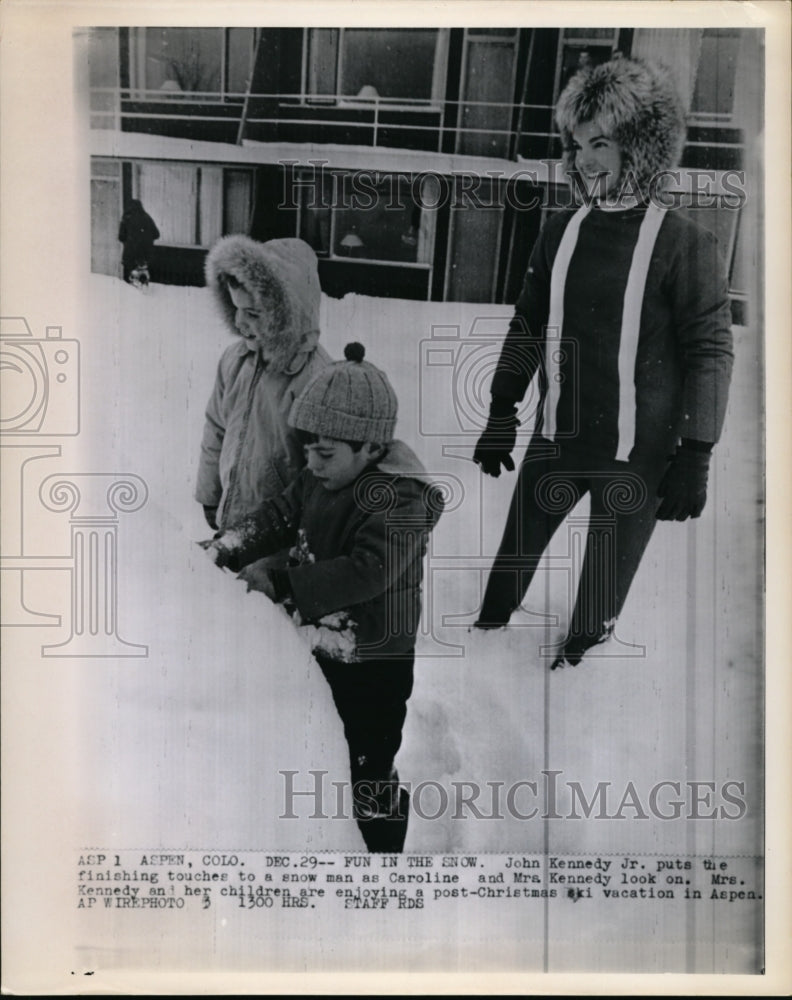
137,232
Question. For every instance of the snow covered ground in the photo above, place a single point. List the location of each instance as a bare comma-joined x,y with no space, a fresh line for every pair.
184,747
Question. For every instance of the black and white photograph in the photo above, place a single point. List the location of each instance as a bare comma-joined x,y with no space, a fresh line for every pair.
392,450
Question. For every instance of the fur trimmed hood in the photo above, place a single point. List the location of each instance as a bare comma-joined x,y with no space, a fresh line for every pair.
282,277
637,104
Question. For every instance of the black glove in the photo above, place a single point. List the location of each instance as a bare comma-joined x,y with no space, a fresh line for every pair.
210,513
496,444
684,485
258,579
222,557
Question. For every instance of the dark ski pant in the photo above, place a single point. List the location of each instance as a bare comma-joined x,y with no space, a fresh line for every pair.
623,515
371,698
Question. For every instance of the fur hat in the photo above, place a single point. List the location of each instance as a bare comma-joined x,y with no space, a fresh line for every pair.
282,277
350,400
637,105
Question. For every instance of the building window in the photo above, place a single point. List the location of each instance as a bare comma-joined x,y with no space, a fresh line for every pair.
184,200
579,48
713,94
370,64
365,217
474,249
240,49
203,62
106,211
194,206
487,87
103,77
237,201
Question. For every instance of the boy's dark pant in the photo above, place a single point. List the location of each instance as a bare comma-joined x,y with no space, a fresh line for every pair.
623,515
371,698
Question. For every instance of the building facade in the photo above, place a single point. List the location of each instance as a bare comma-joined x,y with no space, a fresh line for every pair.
418,162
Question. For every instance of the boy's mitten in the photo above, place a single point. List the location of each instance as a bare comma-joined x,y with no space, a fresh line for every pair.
210,513
258,577
684,485
217,554
222,551
497,442
333,636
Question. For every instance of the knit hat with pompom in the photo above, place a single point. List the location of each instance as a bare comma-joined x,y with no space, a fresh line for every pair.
351,400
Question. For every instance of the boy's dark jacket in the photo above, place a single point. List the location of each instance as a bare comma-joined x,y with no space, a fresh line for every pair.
367,541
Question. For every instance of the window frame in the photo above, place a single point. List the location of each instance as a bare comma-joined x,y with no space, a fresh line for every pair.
714,119
577,43
498,208
429,215
137,164
473,36
250,173
339,100
137,67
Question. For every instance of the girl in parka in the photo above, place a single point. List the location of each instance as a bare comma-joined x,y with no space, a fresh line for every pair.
625,313
268,295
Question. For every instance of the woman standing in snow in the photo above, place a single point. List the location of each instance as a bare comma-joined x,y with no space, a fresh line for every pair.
268,295
137,232
625,312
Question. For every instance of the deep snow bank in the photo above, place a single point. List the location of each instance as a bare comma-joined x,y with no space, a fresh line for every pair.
185,748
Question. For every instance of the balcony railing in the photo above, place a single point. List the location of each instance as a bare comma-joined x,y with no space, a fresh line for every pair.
373,122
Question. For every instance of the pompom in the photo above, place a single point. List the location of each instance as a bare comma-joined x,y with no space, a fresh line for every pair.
354,351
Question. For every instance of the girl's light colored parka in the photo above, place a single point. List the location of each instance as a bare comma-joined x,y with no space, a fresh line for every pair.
248,452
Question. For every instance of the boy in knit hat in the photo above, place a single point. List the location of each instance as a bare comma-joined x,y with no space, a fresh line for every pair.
357,518
268,295
625,314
